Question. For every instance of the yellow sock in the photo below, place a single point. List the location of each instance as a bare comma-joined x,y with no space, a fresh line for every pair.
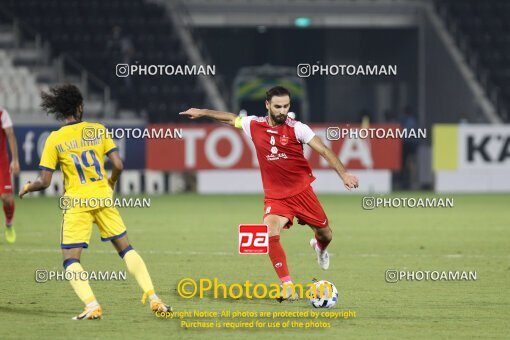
137,268
81,287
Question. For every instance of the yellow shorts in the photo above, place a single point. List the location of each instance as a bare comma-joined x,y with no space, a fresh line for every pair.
77,227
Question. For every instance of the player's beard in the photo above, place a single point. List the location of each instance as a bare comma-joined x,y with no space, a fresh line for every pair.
278,118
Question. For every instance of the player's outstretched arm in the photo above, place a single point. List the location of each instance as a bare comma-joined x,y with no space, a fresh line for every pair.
117,167
349,180
219,116
42,182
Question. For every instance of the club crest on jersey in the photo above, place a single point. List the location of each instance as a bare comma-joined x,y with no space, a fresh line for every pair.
284,140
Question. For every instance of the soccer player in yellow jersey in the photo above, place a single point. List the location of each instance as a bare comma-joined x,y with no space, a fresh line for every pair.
79,148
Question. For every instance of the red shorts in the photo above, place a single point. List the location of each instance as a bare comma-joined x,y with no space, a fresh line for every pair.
305,206
5,179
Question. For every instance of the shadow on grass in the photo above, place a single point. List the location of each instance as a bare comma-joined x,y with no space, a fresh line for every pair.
13,309
266,301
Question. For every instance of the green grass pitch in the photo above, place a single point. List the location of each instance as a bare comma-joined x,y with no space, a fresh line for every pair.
196,236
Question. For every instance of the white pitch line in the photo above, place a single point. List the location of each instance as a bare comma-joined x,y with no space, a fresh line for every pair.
156,252
99,251
223,253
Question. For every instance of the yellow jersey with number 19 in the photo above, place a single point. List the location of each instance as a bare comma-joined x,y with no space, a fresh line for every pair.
79,148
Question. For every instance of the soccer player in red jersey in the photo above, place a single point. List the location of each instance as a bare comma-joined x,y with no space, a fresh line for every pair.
8,169
286,175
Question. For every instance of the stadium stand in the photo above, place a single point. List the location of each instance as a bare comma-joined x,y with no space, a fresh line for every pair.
26,68
100,34
18,87
481,31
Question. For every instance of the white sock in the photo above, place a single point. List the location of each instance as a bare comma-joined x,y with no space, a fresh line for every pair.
153,297
92,304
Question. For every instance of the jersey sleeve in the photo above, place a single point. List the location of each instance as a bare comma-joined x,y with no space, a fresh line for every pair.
6,119
109,144
244,123
49,157
304,133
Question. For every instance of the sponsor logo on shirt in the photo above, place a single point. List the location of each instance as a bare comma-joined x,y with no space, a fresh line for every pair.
275,157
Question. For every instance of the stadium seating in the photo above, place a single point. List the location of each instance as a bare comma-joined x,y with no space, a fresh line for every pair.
481,29
83,30
19,90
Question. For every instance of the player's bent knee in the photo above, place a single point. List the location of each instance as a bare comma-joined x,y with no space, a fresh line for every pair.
275,224
325,234
274,231
71,253
121,243
273,227
7,199
329,233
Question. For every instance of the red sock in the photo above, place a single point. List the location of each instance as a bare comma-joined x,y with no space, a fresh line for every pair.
9,212
278,258
322,244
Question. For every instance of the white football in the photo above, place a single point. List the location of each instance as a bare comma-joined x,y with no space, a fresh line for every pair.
323,294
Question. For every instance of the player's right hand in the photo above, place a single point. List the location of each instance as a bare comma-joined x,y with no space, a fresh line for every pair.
14,168
192,113
350,181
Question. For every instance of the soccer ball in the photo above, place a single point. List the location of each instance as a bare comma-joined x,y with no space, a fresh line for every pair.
323,294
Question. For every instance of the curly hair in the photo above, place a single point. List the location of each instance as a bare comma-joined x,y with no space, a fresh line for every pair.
62,101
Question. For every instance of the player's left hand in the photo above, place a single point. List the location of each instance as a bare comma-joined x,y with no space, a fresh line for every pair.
111,183
14,168
350,181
